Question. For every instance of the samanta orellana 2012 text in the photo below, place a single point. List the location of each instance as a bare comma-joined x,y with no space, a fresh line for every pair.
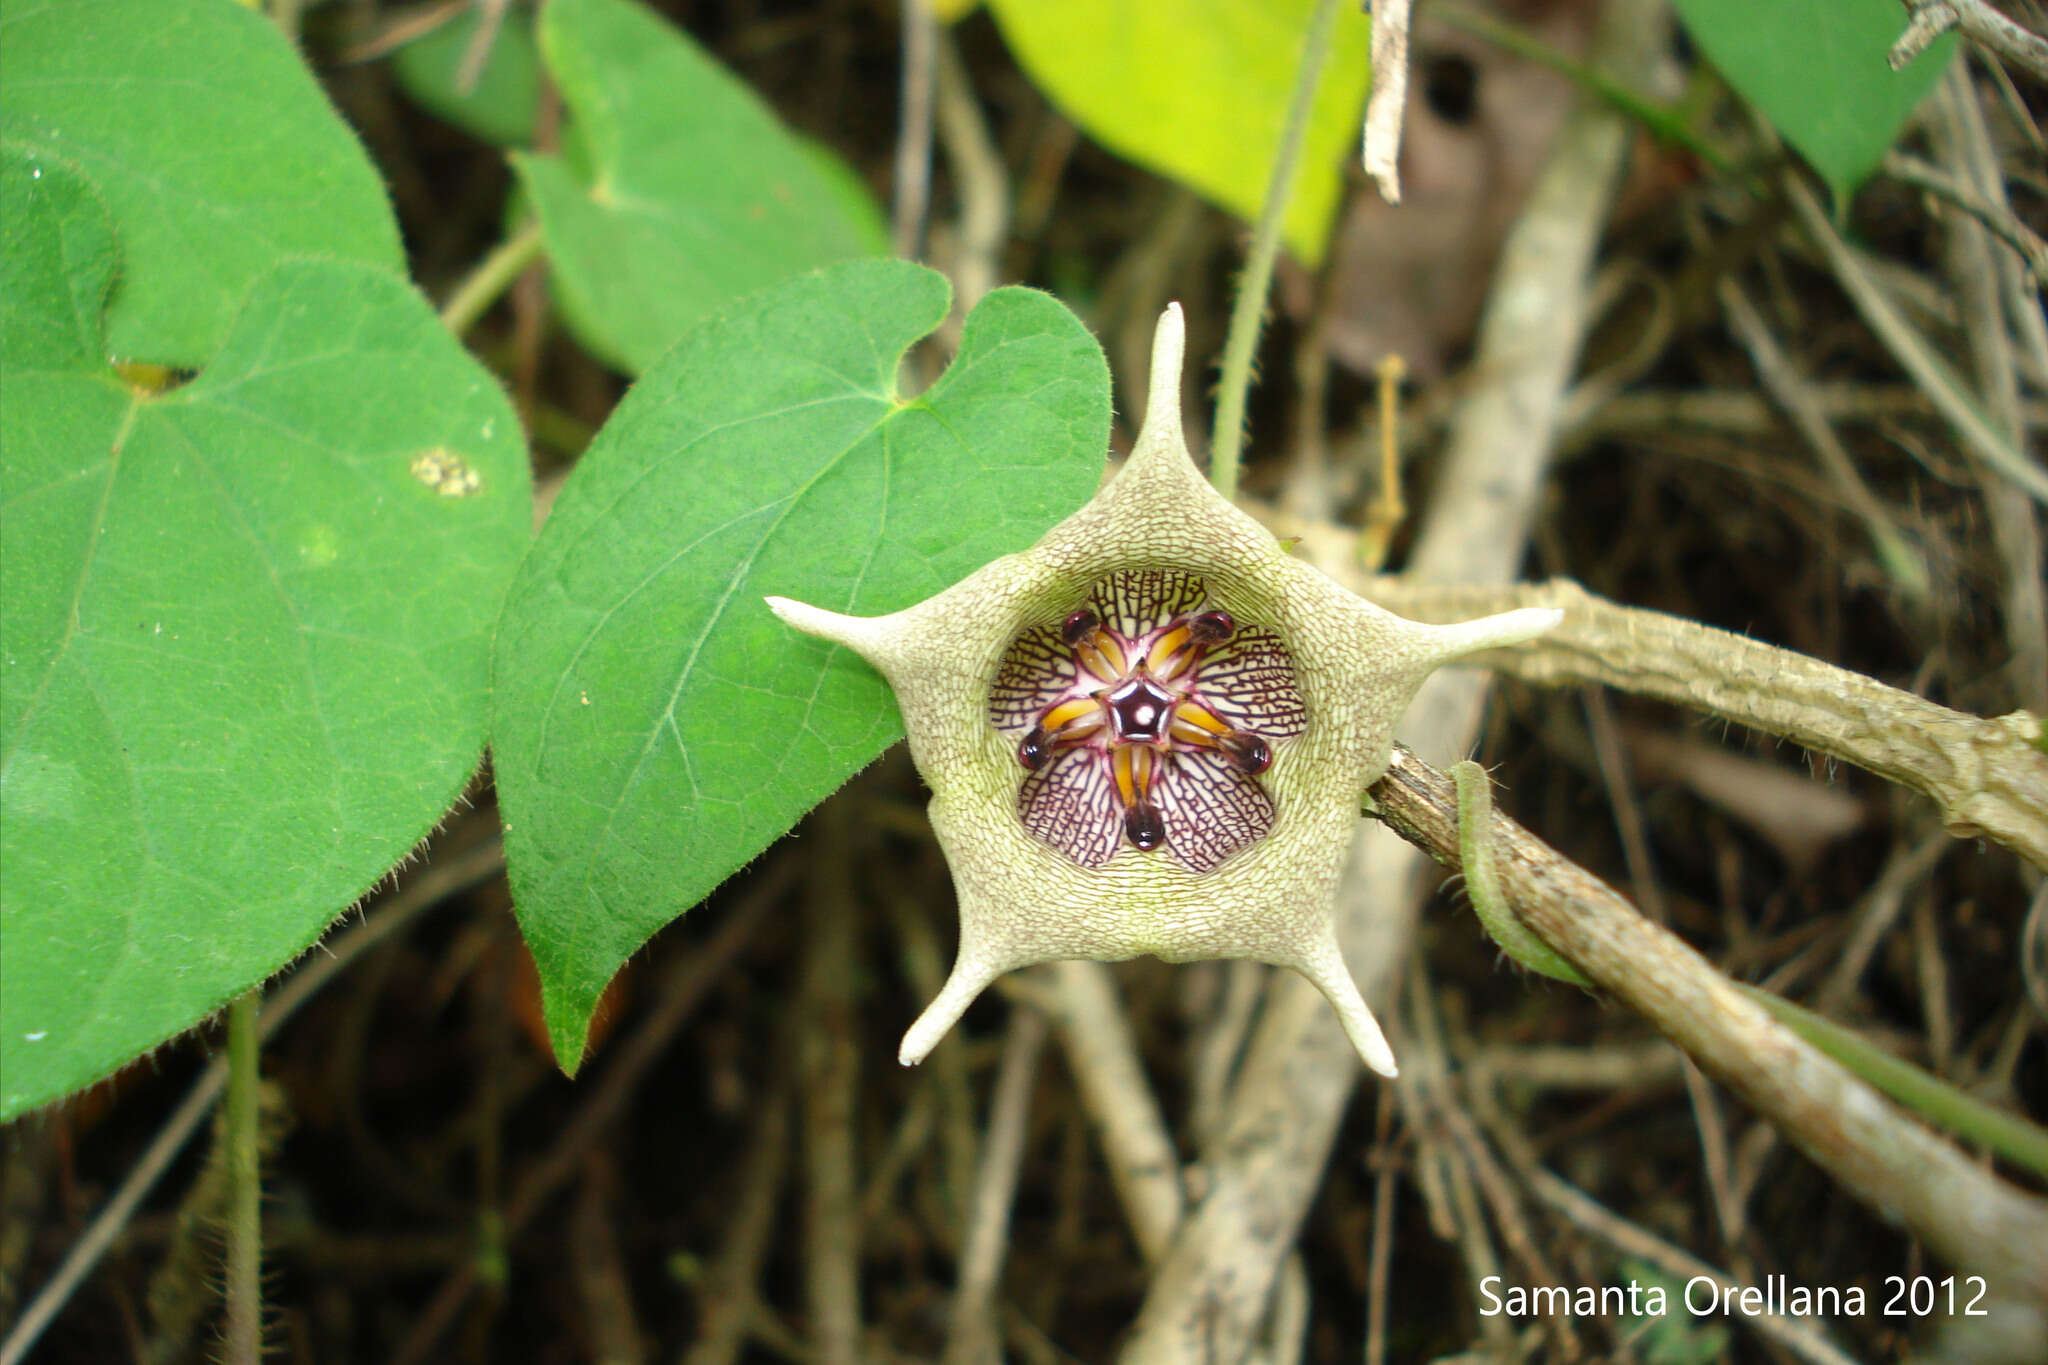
1916,1296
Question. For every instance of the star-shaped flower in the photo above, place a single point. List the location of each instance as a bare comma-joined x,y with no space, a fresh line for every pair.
1149,732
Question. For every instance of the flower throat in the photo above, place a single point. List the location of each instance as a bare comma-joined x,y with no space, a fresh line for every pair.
1146,716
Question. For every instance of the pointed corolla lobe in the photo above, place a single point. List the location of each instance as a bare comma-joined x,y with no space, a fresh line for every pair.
1022,899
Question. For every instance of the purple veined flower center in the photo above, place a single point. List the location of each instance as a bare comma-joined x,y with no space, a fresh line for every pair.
1145,716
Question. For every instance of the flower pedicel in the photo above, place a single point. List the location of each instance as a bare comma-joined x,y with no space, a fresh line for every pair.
1149,733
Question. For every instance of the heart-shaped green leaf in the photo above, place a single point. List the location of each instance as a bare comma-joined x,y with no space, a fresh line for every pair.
655,726
689,191
209,142
246,627
1816,69
1198,90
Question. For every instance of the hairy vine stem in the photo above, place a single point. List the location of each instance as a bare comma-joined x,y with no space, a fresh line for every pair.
494,274
1988,776
1250,309
244,1343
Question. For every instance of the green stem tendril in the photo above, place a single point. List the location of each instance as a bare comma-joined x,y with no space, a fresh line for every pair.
1475,851
493,275
1941,1104
1250,309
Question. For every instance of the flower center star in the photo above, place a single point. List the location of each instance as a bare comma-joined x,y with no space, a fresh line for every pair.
1146,717
1138,710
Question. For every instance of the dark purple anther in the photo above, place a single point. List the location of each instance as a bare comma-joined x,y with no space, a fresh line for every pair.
1144,825
1079,627
1036,748
1245,751
1211,628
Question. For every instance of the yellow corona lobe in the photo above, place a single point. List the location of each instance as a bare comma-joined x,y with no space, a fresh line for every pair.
1150,852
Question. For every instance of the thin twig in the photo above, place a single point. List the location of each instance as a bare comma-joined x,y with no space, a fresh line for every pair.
728,1292
1935,1014
1957,130
490,19
598,1270
1432,1080
914,133
973,1337
1743,411
1999,219
829,1061
1379,1260
918,948
1907,866
980,180
1422,1078
1652,1064
1387,107
1618,777
399,29
1713,1131
1219,1044
1388,509
1983,25
677,997
1915,355
1102,1054
1789,389
1587,1214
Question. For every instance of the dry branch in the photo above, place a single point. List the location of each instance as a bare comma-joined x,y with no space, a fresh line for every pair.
973,1337
1983,25
1386,107
1122,1109
1965,1215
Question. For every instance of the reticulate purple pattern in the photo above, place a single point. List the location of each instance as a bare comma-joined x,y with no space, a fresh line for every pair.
1144,717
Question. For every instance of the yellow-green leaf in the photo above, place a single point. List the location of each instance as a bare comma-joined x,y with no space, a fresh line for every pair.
1198,90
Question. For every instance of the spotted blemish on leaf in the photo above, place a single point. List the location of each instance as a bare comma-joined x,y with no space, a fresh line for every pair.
446,472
